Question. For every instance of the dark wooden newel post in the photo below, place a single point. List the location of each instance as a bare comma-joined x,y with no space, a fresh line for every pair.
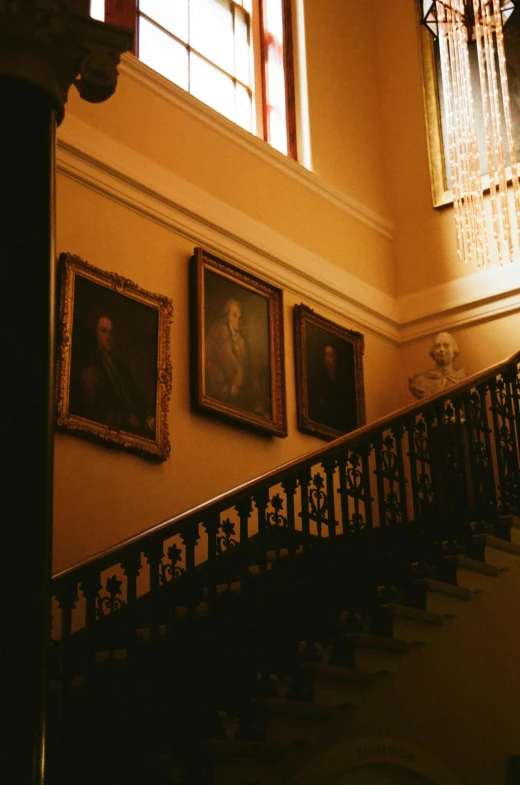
45,45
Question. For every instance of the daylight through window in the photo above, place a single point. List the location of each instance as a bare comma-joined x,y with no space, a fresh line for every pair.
234,55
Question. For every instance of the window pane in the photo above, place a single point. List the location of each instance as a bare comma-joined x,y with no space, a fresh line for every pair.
244,108
163,54
212,86
211,31
171,14
275,76
242,54
273,17
97,9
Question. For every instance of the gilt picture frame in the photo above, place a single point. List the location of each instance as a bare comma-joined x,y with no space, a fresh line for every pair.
114,372
238,371
330,393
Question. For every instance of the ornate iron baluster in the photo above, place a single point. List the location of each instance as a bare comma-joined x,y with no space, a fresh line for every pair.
505,445
354,479
244,510
481,481
329,467
289,486
190,537
411,427
131,564
364,449
392,505
90,588
211,526
277,524
261,500
341,461
153,554
318,503
304,478
398,432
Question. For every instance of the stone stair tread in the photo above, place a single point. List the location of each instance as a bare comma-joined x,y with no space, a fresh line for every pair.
412,614
511,520
297,709
474,565
338,673
377,642
441,587
496,542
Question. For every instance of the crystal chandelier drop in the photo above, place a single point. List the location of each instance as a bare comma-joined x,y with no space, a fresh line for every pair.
454,23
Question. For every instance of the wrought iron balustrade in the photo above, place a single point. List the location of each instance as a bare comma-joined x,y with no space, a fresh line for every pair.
437,471
235,594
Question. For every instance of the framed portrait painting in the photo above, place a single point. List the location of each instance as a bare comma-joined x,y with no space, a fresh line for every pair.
114,368
329,375
237,330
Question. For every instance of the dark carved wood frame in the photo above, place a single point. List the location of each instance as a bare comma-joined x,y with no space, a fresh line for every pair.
157,448
304,315
277,423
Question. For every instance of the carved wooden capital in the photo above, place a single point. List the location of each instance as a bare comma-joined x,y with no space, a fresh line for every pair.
54,43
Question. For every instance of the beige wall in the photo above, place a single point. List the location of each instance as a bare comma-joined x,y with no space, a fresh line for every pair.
103,496
368,146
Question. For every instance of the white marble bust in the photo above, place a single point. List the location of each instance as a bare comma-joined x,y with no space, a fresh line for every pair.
442,374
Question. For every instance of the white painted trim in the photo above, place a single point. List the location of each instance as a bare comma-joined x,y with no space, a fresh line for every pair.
132,68
302,95
127,177
98,161
485,295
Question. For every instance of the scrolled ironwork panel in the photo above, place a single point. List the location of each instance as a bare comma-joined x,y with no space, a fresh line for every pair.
111,602
354,490
318,502
390,478
502,409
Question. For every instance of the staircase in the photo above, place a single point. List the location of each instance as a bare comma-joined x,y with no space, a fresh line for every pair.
348,594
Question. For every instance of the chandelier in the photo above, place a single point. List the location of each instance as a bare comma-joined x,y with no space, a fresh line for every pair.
454,23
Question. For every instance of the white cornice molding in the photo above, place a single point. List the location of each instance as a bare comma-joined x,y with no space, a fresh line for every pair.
480,297
121,174
132,68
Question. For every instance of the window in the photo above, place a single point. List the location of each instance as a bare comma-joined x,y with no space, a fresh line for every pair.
234,55
436,120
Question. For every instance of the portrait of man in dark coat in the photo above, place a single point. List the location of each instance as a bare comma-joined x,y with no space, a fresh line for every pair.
110,380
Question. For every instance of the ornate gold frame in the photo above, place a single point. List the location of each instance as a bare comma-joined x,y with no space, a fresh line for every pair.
157,448
303,315
236,283
441,194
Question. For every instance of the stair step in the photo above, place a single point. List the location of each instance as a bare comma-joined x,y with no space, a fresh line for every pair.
473,565
441,597
397,611
337,673
501,553
300,710
408,624
500,545
446,589
364,640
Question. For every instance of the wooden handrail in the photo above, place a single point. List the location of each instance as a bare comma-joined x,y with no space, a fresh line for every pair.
171,526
